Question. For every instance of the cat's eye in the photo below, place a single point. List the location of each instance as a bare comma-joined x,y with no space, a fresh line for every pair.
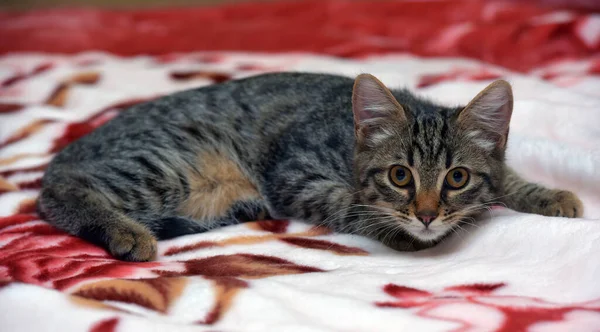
400,176
457,178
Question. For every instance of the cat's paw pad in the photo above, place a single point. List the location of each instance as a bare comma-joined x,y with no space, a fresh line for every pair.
564,204
135,245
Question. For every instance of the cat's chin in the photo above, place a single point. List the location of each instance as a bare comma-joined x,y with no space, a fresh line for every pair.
427,234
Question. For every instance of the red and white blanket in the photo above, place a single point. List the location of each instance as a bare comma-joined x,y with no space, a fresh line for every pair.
514,272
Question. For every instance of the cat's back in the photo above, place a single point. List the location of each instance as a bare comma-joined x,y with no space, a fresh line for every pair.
252,110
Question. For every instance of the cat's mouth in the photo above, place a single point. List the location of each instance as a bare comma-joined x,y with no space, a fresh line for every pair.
428,235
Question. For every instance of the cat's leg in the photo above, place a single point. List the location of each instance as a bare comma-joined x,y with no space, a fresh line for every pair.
312,197
329,202
528,197
239,212
83,212
111,202
299,190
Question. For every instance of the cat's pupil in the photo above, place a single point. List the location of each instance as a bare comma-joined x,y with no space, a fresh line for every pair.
457,176
400,175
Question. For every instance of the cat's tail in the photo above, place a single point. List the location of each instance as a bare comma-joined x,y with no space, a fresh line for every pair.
528,197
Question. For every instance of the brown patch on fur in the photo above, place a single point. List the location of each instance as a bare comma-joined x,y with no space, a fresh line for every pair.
215,185
427,201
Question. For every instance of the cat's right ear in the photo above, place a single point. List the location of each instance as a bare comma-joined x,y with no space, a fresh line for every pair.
487,117
374,106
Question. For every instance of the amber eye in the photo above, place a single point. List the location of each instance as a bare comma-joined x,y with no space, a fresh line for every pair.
400,176
457,178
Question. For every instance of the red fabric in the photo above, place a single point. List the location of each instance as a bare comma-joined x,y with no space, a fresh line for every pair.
509,34
577,4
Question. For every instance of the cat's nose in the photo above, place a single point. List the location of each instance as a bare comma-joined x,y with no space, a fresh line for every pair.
426,217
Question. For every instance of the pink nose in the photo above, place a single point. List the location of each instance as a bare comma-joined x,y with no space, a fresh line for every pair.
426,217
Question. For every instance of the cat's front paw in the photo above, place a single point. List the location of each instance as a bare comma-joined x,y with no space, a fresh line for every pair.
562,204
134,244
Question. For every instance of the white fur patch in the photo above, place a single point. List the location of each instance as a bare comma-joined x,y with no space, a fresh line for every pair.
378,136
485,144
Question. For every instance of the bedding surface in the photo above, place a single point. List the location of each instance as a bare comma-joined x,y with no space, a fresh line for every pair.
510,272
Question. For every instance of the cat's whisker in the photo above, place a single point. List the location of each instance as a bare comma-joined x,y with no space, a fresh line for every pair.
469,223
361,214
335,215
368,223
376,223
458,231
383,220
385,237
471,209
340,212
389,233
382,208
454,230
399,230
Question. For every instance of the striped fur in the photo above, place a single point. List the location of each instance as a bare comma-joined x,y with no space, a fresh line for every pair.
288,145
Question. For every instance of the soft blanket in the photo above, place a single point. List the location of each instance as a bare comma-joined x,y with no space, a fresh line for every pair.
511,272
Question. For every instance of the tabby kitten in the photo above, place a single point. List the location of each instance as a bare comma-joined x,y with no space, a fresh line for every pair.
348,154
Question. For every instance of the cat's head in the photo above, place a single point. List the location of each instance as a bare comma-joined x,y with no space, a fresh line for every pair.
426,168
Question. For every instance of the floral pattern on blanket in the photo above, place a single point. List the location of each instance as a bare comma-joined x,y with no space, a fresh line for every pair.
273,275
509,313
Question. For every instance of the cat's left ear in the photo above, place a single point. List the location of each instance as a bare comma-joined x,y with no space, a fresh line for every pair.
486,118
375,109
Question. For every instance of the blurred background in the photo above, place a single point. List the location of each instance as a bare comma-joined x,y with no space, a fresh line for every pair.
38,4
516,34
30,4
